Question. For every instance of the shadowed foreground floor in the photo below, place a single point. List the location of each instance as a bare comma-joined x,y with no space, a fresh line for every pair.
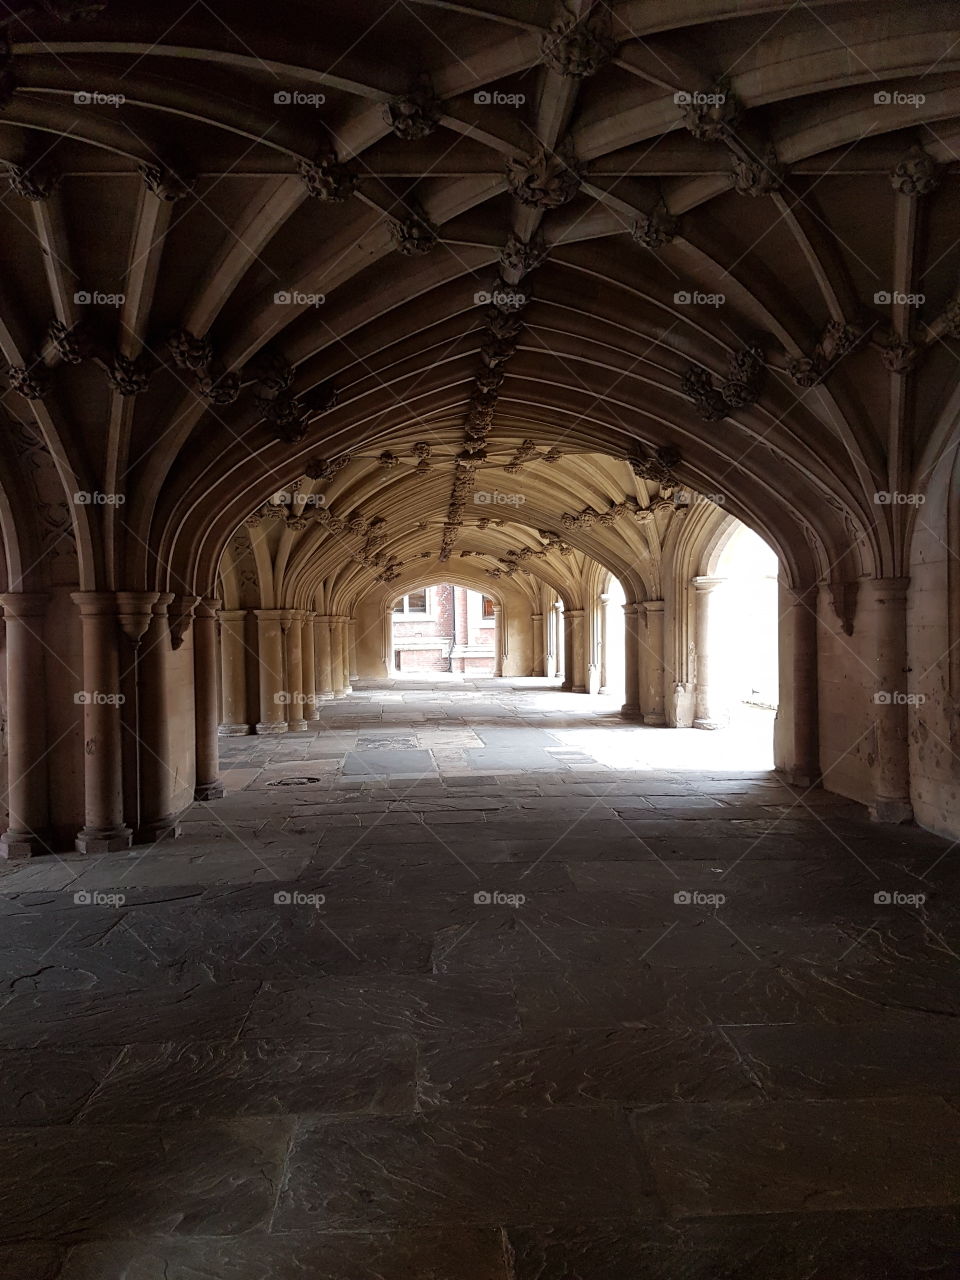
472,996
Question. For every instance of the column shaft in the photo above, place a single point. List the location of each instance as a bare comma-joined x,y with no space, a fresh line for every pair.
579,650
887,605
273,717
631,661
233,669
27,793
308,641
653,702
498,640
708,714
206,681
156,818
324,657
536,625
293,631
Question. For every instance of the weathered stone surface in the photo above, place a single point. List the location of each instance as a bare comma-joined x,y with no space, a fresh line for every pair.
788,1157
472,1167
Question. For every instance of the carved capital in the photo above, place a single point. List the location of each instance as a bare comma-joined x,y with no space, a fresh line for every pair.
917,174
328,179
414,115
544,181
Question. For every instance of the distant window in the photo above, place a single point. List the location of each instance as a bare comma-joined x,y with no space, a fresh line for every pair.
415,602
487,607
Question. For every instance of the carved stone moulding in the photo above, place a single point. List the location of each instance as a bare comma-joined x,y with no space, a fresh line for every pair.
806,371
164,183
129,376
219,388
697,384
32,382
655,229
518,257
900,356
414,115
328,178
544,181
951,318
32,182
658,467
709,115
917,174
414,234
579,46
188,351
753,176
72,343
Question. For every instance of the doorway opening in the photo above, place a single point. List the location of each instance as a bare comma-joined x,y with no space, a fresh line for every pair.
443,628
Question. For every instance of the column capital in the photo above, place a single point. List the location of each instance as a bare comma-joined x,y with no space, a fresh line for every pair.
574,613
182,611
653,606
323,617
270,615
95,604
233,615
892,587
134,611
24,604
207,607
631,608
708,582
536,617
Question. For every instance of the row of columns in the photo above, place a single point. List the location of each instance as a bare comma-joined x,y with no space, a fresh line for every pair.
301,658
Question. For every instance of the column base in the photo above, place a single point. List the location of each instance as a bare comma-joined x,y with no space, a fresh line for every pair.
348,688
103,840
656,719
234,730
897,811
271,727
297,726
801,778
160,829
579,688
631,712
709,724
209,791
17,845
325,696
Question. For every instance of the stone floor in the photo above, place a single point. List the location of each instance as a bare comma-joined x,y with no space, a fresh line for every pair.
480,982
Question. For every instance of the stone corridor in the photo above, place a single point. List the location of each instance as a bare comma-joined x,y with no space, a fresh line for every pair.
479,981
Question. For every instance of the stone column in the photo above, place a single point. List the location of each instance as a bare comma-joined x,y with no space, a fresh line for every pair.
707,715
308,641
565,622
498,639
603,675
206,708
536,623
233,670
801,619
293,629
338,672
579,655
324,657
27,794
104,830
631,662
886,617
653,664
555,630
157,819
273,717
352,649
345,653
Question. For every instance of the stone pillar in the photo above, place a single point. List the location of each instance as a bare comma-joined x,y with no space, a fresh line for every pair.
352,649
579,650
233,670
157,819
308,641
273,717
206,708
536,623
293,629
631,662
653,664
27,793
555,633
707,714
345,652
886,617
603,675
338,672
498,639
565,626
104,830
801,620
324,657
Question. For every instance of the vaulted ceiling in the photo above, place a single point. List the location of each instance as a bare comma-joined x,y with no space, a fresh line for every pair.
408,253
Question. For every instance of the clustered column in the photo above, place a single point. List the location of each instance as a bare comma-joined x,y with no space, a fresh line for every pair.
324,653
27,796
273,717
205,701
631,661
706,714
653,702
498,639
536,624
886,615
293,628
233,666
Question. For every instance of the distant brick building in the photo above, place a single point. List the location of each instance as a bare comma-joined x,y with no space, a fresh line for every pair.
443,628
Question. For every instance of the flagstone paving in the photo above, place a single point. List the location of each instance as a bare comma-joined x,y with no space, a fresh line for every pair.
514,990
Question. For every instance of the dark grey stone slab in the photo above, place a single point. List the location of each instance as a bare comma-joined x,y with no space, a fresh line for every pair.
417,1006
893,1245
584,1069
256,1078
429,1254
34,1261
49,1085
789,1157
387,761
109,1181
464,1167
